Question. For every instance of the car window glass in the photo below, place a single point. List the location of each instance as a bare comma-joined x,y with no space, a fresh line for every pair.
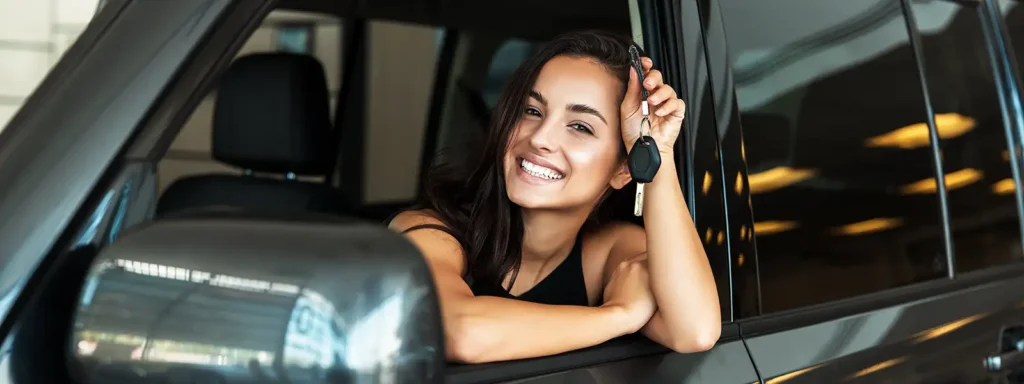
979,181
282,31
833,192
33,37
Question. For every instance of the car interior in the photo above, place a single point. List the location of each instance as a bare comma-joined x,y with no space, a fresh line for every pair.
326,145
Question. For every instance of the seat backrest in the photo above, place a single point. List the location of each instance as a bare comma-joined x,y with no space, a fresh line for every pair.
271,117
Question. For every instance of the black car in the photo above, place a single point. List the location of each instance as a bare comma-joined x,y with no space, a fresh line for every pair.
853,167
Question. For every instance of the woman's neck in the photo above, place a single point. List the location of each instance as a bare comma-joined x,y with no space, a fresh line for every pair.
548,234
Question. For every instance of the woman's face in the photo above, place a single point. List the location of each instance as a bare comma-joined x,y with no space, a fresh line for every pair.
565,151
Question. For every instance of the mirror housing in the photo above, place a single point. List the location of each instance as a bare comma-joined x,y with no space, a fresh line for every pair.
231,298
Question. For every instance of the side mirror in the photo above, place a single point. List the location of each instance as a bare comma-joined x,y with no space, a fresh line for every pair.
231,299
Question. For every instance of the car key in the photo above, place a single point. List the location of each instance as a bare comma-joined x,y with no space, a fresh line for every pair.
644,162
644,159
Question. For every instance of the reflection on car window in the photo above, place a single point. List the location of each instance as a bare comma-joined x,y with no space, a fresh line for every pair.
838,193
982,203
33,37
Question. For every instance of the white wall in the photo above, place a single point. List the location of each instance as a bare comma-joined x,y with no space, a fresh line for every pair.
33,36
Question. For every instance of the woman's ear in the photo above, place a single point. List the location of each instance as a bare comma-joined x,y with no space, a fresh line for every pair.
621,176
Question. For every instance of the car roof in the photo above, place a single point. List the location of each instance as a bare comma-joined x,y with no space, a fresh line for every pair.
526,19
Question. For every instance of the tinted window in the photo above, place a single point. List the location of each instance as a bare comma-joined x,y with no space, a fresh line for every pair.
979,181
836,210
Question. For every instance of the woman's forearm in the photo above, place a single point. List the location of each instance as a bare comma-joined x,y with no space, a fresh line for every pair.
485,328
681,277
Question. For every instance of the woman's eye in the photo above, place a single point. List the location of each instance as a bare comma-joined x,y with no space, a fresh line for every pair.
532,111
580,127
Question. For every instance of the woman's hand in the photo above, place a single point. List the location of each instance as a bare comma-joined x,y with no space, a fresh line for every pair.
666,110
629,289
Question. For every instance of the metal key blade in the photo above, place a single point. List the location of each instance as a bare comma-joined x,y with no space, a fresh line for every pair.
638,206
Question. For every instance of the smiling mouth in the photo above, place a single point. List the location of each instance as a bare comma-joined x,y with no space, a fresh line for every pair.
539,171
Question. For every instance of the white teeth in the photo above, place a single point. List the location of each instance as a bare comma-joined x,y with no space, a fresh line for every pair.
540,171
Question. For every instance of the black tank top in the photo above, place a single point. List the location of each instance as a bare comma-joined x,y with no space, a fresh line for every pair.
563,286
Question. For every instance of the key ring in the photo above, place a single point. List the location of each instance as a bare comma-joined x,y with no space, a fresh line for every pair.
649,128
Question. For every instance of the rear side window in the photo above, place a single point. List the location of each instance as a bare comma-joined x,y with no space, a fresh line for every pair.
975,155
840,201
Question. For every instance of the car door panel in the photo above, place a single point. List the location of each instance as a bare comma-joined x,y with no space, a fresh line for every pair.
942,338
726,363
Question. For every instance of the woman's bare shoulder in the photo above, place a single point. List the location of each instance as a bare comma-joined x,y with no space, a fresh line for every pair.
413,218
617,240
615,231
428,233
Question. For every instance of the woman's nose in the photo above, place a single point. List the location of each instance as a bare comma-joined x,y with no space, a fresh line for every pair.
543,138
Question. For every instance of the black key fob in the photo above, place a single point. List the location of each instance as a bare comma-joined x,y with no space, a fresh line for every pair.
644,160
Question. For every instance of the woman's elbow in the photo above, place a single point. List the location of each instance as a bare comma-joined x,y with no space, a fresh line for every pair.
697,340
466,343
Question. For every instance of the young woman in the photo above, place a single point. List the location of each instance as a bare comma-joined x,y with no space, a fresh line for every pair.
521,264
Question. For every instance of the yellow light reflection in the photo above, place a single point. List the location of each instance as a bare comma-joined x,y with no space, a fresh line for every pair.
785,377
948,125
1004,187
878,367
739,183
765,228
743,150
868,226
707,183
954,180
707,236
743,232
721,237
1006,155
778,177
946,328
740,259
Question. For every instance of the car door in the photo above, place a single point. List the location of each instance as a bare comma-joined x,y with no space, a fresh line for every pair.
878,142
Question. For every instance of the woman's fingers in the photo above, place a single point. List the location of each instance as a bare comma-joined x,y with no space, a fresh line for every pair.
653,79
673,107
661,94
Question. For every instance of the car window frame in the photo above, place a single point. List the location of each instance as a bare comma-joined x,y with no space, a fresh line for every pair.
1007,84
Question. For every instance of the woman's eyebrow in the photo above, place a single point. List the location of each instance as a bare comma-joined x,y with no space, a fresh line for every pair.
537,96
578,108
583,108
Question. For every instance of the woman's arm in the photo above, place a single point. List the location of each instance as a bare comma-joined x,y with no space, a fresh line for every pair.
483,329
688,317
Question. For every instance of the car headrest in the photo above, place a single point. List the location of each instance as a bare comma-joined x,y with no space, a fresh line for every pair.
272,115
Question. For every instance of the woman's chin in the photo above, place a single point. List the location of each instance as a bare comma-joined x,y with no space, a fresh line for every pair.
527,199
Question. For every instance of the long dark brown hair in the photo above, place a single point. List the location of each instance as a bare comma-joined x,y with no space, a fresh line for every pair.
467,191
